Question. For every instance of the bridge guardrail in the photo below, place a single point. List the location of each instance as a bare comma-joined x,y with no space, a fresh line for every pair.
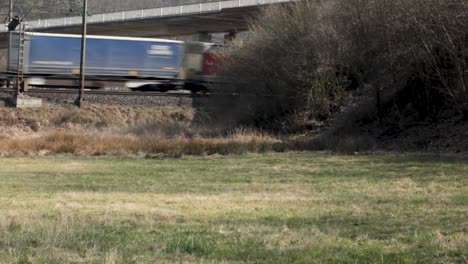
148,13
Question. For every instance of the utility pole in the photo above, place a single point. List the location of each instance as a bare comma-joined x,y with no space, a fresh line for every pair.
10,11
79,100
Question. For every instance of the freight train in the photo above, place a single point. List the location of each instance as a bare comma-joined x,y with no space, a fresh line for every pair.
53,60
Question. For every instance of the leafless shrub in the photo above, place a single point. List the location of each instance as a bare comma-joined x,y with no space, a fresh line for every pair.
284,65
299,59
414,44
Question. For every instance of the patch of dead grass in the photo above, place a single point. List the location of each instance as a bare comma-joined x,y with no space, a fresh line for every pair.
119,130
101,143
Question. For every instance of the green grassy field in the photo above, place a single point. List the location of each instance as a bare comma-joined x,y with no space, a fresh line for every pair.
271,208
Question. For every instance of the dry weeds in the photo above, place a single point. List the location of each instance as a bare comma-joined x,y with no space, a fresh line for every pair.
102,130
102,143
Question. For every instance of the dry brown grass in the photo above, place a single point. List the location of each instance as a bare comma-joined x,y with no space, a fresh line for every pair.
107,143
154,132
121,130
51,116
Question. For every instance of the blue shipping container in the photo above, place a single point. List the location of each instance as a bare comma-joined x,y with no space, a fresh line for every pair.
105,56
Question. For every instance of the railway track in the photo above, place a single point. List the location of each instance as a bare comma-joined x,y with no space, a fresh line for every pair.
107,92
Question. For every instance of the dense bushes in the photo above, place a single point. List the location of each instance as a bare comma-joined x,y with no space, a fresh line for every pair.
299,60
284,64
413,44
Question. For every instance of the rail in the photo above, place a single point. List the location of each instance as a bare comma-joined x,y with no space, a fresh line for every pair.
107,93
160,12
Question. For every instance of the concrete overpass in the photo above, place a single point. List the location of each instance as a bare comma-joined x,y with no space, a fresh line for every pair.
202,18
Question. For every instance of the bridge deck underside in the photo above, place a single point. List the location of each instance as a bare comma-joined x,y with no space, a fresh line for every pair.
229,19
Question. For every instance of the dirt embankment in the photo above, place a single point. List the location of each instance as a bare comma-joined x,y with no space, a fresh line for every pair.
448,133
401,123
175,131
122,130
18,122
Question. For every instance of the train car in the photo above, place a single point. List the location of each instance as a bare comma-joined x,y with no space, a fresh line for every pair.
200,67
134,63
49,57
